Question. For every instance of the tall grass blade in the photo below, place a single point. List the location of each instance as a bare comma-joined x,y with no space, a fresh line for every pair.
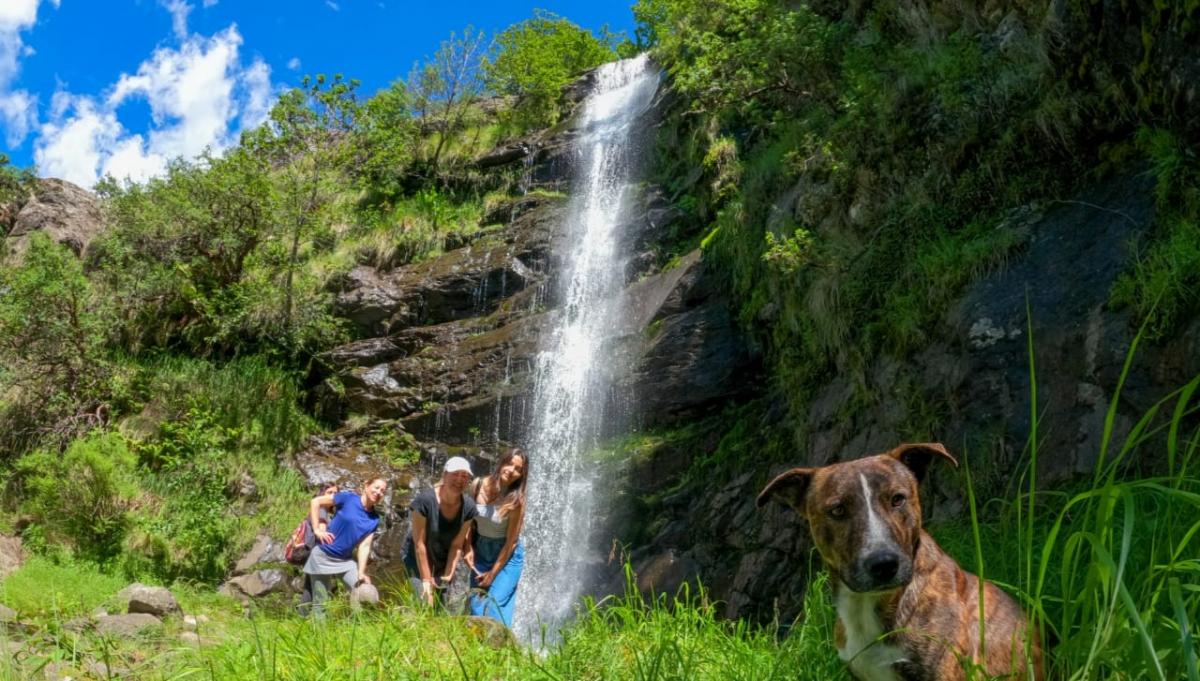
1187,644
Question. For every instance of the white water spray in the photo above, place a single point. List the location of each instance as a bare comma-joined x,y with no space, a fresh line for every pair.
571,373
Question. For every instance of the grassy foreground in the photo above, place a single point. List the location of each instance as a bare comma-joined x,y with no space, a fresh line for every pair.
626,639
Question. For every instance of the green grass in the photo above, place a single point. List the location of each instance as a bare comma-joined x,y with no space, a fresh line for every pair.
49,590
1106,569
626,638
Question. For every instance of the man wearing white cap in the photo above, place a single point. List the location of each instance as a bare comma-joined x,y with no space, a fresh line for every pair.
440,518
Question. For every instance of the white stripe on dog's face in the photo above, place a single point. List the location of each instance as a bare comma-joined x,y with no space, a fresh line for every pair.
877,536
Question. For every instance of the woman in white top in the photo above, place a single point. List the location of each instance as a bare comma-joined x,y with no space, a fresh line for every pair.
497,554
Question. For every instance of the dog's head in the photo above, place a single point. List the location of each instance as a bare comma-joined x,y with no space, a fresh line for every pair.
865,514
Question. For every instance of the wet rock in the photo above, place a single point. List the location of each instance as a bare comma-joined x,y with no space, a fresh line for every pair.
151,600
366,352
501,156
666,573
466,282
265,551
682,350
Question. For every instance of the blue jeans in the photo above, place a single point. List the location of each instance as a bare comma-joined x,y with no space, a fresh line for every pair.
500,599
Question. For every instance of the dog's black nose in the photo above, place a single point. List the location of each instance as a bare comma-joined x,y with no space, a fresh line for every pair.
882,566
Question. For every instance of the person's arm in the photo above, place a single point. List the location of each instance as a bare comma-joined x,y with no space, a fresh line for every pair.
418,533
456,550
515,521
314,517
364,555
469,549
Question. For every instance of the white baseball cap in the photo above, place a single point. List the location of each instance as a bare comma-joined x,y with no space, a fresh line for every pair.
455,464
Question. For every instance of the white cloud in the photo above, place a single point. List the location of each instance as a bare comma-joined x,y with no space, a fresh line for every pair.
71,148
200,97
18,108
333,5
294,63
209,3
258,95
18,112
179,10
16,15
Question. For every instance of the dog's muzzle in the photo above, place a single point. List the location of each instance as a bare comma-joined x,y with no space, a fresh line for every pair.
880,570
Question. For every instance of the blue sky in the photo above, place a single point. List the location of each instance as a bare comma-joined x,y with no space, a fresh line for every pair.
89,87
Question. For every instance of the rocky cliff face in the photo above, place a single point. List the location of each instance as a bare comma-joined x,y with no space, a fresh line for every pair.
974,375
69,214
448,345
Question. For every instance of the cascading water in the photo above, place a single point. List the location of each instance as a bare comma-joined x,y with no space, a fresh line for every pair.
571,372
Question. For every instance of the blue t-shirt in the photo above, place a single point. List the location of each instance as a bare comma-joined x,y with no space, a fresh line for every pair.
350,526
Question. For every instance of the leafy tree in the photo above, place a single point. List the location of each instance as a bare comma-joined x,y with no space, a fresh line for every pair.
535,58
51,342
177,256
444,88
386,136
309,140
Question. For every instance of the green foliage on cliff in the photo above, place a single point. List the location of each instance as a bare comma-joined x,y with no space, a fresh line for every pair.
855,168
534,59
1164,286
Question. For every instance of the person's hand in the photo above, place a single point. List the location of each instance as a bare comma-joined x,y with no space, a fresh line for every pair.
427,591
444,582
365,579
324,537
485,580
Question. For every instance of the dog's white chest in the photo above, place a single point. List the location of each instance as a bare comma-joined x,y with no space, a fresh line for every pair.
869,658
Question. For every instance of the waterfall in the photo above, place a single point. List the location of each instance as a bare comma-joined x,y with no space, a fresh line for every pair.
571,371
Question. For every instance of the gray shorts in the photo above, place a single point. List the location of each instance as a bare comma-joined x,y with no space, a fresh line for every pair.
321,563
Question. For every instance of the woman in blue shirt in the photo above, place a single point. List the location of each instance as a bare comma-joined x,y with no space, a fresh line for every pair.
351,531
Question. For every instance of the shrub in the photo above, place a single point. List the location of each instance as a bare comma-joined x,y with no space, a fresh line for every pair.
189,532
81,497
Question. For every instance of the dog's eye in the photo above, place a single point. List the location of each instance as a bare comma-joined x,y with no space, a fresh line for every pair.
838,511
898,500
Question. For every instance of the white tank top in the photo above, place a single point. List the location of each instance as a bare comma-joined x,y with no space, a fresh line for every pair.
489,523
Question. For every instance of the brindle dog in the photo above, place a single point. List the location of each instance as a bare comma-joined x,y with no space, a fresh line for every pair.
906,610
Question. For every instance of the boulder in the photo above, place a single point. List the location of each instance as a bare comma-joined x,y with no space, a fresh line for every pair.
151,600
68,214
12,555
258,583
501,156
364,594
490,632
265,551
124,626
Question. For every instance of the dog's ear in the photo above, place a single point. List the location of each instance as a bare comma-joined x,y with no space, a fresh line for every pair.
789,488
917,456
